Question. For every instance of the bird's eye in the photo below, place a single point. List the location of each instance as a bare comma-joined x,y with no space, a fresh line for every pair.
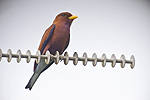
69,15
63,15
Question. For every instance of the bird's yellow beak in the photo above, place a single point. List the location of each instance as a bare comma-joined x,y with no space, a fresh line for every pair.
73,17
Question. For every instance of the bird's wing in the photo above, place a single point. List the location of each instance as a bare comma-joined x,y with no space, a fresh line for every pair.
47,66
44,42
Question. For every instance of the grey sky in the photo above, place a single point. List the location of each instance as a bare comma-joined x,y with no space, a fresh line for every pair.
110,27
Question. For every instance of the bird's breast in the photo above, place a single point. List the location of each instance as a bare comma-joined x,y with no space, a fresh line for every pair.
59,39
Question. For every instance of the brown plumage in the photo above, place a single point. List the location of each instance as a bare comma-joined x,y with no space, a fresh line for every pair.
55,38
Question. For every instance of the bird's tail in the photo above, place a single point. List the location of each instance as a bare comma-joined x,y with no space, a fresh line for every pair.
32,81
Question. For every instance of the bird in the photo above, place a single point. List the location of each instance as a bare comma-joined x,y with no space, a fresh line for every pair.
55,38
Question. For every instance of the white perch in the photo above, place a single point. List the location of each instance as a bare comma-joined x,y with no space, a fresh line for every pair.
66,58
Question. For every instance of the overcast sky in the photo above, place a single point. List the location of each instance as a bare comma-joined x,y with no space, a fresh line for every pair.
110,27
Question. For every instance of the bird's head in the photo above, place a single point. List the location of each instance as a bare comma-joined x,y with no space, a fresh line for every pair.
65,17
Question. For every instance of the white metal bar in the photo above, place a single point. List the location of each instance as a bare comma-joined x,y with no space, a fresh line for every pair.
9,55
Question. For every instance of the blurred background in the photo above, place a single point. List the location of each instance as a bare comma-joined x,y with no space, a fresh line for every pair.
103,26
